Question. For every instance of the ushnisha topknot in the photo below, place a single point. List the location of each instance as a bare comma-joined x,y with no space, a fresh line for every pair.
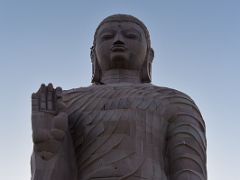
146,68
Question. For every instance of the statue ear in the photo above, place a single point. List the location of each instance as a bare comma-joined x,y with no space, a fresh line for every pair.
151,55
146,72
96,73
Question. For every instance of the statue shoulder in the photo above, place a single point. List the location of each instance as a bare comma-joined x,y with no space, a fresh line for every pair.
171,93
181,107
178,103
75,92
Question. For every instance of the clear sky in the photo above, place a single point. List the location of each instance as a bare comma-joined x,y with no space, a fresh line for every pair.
197,51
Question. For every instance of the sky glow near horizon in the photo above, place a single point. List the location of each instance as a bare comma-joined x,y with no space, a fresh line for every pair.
197,51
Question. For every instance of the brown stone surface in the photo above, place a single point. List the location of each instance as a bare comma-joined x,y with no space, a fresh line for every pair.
122,126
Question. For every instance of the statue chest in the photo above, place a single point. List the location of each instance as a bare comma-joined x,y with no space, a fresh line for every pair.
128,111
133,113
118,130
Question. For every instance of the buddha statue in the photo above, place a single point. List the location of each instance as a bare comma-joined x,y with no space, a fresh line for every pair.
121,127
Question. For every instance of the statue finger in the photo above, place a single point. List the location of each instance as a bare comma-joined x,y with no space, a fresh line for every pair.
50,146
43,97
40,135
58,92
46,155
61,106
35,102
58,134
50,92
61,121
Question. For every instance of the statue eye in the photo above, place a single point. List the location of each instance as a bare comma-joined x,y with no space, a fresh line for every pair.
106,36
132,35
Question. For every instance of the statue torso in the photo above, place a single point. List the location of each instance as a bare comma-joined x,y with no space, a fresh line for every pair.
119,131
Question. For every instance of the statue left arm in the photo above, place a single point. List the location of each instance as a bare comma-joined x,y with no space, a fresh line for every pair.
186,141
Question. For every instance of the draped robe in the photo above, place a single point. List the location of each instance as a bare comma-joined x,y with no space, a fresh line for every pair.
130,132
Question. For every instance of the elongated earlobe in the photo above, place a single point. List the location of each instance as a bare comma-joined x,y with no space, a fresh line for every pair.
96,73
146,72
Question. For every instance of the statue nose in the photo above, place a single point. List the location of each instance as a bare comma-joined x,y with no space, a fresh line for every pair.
118,43
118,39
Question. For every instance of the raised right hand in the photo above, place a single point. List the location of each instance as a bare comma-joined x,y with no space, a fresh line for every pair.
49,121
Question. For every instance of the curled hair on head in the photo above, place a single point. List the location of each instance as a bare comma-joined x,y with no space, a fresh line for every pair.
147,65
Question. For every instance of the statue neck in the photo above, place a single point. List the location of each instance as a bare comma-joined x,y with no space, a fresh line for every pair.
120,76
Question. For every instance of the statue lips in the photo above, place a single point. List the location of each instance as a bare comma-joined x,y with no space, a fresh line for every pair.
118,48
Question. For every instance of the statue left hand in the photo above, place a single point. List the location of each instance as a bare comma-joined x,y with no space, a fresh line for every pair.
49,121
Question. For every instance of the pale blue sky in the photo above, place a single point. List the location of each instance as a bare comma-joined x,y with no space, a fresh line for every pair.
197,51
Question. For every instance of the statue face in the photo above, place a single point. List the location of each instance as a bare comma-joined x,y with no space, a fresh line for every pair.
120,45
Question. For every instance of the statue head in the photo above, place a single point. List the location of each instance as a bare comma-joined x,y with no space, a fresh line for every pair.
121,42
